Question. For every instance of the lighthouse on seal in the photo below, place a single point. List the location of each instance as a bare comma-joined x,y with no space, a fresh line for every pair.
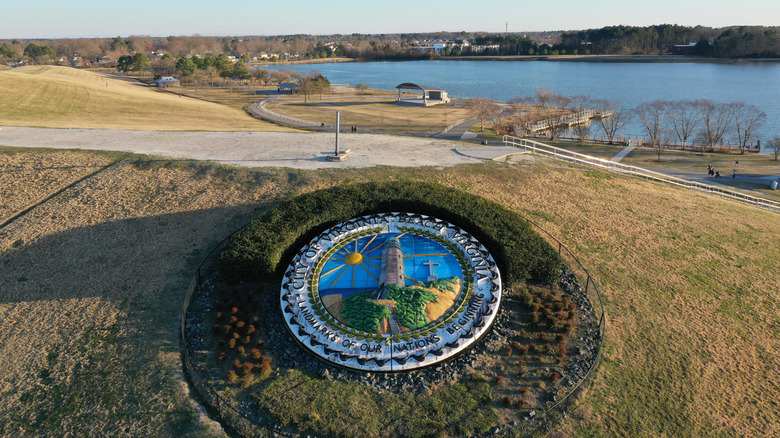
392,271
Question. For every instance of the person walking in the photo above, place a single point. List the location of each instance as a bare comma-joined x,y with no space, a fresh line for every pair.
710,170
734,174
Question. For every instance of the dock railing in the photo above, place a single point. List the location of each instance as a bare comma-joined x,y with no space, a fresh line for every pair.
574,157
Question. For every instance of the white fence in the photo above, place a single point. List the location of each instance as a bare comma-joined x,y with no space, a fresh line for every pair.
563,154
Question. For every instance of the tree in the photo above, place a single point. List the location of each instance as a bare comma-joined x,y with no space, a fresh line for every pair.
39,54
8,52
774,146
613,117
580,104
186,66
482,109
684,116
141,62
543,97
652,116
280,77
163,67
124,63
240,70
261,75
361,87
747,118
715,118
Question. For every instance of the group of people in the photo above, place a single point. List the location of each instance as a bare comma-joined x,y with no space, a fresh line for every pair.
716,173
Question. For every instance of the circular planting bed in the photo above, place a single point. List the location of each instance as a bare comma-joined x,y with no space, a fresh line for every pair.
352,322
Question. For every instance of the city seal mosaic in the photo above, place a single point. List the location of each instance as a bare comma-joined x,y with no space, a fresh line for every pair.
390,292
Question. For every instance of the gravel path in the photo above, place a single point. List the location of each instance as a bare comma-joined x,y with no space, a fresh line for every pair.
251,149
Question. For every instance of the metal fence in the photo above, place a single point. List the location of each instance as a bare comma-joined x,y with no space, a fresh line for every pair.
574,157
246,426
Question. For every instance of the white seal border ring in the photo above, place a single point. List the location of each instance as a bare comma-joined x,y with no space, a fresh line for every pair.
460,328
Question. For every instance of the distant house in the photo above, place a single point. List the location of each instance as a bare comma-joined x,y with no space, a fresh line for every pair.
684,49
167,81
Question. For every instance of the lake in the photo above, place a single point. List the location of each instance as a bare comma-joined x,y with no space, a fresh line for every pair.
632,83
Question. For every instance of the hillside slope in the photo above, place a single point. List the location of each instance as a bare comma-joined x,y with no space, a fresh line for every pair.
62,97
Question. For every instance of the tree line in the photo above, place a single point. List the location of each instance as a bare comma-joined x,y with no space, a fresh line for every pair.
700,122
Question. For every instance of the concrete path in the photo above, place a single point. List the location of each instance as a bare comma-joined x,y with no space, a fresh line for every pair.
619,156
250,149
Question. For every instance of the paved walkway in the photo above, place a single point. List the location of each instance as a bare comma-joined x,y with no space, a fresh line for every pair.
626,150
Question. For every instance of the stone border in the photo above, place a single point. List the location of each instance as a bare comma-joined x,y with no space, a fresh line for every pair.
462,325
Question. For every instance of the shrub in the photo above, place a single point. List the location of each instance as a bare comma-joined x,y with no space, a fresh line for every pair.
247,339
246,382
560,339
255,353
232,376
523,350
248,367
500,380
520,402
265,365
223,356
524,390
250,329
262,250
236,336
522,333
233,310
542,336
232,343
507,400
227,328
555,377
240,324
521,373
508,350
532,347
237,363
521,362
242,351
233,319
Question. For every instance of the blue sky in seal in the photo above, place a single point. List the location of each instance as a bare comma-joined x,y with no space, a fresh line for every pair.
90,18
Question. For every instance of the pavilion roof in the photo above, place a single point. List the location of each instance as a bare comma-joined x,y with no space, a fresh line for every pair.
411,86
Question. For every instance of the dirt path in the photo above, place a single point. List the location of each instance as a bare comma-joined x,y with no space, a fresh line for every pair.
250,149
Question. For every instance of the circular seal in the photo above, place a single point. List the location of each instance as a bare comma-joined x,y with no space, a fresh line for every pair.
390,292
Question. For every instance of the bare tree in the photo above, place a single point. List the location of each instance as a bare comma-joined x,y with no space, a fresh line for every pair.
683,116
715,118
361,88
279,77
614,117
747,118
580,104
482,109
774,146
164,67
652,116
261,75
543,97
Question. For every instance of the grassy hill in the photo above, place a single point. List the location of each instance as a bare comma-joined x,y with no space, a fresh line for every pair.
93,280
62,97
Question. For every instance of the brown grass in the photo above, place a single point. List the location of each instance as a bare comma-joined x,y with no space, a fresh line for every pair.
378,114
93,281
63,97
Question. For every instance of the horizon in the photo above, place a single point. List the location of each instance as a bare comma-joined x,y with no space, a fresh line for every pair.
93,19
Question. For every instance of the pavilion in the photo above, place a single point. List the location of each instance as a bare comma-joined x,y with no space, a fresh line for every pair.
430,95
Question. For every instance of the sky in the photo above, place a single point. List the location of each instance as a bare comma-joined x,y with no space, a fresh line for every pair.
45,19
